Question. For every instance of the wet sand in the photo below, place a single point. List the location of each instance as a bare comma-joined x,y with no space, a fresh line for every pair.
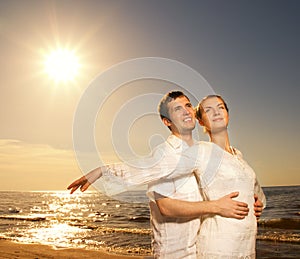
33,251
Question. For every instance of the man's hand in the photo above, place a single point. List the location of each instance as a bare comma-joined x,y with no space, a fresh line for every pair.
258,207
229,208
85,181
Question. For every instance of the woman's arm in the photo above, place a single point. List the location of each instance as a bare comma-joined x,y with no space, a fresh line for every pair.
162,165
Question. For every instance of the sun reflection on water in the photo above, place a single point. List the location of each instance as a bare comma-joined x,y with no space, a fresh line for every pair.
86,220
64,218
57,235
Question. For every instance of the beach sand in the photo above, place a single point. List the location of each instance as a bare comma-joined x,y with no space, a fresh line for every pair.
33,251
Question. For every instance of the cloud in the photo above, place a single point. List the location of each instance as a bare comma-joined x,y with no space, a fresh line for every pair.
25,166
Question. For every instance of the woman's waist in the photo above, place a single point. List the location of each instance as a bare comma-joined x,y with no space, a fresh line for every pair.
218,224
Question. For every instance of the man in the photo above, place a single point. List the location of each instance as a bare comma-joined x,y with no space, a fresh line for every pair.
175,203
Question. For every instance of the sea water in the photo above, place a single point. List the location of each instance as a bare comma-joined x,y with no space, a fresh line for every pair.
94,221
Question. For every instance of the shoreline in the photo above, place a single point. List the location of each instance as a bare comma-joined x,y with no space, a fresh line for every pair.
10,249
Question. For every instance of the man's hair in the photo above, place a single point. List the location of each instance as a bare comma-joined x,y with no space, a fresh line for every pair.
163,104
199,108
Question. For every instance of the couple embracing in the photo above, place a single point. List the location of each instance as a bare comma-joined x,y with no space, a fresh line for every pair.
204,197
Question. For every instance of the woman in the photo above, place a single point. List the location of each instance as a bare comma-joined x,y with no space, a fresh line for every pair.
221,237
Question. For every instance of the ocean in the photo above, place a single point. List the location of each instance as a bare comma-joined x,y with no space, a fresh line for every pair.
93,221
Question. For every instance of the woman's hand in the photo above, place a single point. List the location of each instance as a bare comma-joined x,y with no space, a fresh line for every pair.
85,181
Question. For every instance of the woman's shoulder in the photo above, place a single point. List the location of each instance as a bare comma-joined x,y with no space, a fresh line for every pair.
237,151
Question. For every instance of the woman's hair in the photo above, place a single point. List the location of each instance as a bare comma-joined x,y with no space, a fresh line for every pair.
199,108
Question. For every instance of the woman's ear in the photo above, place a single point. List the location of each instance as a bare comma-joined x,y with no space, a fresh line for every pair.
200,122
167,122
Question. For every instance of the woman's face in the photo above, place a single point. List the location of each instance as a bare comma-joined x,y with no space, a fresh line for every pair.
214,115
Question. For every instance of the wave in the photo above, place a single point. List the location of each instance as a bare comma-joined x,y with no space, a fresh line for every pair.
279,237
14,210
23,217
108,230
139,219
281,223
140,231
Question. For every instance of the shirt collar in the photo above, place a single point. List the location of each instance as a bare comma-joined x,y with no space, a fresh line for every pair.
177,143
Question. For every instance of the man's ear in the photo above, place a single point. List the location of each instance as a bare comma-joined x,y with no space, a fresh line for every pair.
167,122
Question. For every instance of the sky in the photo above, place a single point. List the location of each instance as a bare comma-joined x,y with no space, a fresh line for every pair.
248,51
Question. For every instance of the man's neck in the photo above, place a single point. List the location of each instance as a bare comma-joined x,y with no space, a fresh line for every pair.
188,138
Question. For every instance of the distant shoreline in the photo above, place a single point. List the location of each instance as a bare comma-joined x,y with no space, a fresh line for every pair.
93,190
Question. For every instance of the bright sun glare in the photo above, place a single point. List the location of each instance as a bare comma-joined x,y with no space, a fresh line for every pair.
62,65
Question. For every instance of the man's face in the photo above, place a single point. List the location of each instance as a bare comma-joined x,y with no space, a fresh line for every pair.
182,116
214,115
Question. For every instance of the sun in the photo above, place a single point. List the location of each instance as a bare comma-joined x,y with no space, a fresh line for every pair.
62,65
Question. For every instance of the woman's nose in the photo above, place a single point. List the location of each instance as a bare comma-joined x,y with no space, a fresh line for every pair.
216,111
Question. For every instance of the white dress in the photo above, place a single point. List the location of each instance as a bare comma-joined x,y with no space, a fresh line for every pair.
221,173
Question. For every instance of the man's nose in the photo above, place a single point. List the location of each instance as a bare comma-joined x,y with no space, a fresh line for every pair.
187,110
